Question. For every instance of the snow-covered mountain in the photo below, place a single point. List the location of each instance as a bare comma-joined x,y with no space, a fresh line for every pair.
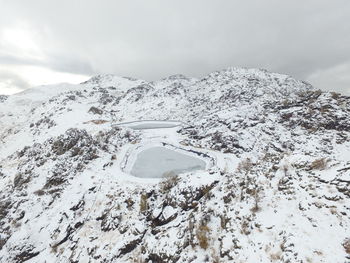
275,187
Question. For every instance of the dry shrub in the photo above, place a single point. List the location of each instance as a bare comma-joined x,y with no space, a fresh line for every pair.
129,202
308,260
96,122
275,256
346,245
285,169
191,227
245,227
203,236
39,192
215,257
143,203
224,220
335,95
285,102
170,180
245,166
257,198
319,164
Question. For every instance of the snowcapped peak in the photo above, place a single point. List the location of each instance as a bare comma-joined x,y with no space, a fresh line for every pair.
110,80
254,82
176,77
242,72
174,80
104,78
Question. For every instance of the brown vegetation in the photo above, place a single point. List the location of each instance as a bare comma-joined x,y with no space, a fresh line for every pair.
143,203
319,164
245,166
203,236
170,180
346,245
96,122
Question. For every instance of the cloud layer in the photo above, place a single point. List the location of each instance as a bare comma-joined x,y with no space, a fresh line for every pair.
151,39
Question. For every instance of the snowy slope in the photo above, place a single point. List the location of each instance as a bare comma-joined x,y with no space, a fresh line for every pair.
276,187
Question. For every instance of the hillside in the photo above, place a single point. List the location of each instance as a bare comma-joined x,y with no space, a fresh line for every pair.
274,187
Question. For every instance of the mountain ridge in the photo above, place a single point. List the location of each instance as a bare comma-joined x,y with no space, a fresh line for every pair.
278,162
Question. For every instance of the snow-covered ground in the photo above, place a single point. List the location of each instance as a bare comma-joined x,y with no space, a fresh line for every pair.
275,187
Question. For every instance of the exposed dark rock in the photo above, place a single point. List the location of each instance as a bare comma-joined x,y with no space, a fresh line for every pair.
5,207
131,245
79,205
21,180
160,220
162,258
109,221
3,98
72,137
27,252
95,110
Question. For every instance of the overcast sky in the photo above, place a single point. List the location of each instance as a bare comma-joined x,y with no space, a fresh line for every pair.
50,41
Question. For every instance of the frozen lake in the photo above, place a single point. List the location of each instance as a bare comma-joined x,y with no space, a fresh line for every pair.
158,161
145,125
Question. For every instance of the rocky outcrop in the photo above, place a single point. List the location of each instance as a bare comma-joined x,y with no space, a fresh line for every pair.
278,175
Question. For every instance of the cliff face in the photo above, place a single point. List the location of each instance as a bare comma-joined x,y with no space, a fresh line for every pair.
276,186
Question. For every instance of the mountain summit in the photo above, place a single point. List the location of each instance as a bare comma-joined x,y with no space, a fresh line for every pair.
242,165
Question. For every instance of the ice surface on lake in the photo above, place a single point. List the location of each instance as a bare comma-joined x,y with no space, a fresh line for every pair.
158,161
144,125
158,125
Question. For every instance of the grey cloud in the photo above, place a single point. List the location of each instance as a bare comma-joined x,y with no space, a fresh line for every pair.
55,62
152,39
71,64
13,60
333,79
13,81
